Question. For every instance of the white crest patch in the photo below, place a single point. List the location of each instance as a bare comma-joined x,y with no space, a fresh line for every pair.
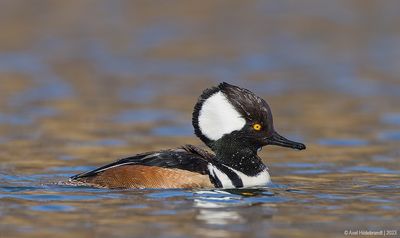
218,117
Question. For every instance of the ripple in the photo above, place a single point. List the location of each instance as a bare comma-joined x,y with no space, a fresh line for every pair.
66,157
330,196
14,120
307,168
311,171
389,136
110,142
53,208
376,200
369,169
385,186
391,118
52,89
71,168
383,158
28,116
146,115
104,142
343,142
217,217
144,93
48,197
135,206
184,130
235,198
169,194
163,212
303,165
15,189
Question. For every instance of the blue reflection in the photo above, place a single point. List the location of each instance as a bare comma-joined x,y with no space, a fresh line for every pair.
343,142
53,208
146,115
179,130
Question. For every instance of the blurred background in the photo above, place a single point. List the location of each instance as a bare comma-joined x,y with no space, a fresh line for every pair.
73,71
85,82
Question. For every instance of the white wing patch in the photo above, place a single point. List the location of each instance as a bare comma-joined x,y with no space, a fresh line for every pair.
218,117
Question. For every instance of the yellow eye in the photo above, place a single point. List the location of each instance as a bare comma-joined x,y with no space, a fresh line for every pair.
257,127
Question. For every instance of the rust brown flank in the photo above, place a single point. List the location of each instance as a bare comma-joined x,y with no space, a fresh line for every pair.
141,176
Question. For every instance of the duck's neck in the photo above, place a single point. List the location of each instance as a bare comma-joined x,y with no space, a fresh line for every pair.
238,156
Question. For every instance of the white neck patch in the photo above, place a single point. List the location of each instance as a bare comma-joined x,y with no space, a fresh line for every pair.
223,178
261,179
218,117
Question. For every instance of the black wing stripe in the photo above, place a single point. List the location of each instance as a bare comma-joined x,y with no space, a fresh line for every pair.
234,177
129,160
187,158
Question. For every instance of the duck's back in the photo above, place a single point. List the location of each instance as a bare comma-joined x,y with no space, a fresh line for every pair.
185,167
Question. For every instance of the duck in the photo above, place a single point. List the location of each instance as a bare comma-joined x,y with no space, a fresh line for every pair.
233,122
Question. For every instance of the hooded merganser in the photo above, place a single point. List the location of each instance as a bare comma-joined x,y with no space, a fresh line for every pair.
233,122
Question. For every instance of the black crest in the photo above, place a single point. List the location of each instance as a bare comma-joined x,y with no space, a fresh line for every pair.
252,108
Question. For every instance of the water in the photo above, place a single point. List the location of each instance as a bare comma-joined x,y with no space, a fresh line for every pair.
80,90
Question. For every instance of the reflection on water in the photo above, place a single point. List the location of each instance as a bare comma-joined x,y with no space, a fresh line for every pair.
389,136
391,118
145,115
79,90
219,217
343,142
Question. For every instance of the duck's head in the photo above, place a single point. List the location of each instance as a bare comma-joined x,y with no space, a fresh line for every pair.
230,114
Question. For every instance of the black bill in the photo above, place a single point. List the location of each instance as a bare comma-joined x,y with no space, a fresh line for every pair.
276,139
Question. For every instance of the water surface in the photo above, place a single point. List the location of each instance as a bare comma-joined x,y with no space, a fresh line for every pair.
79,90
